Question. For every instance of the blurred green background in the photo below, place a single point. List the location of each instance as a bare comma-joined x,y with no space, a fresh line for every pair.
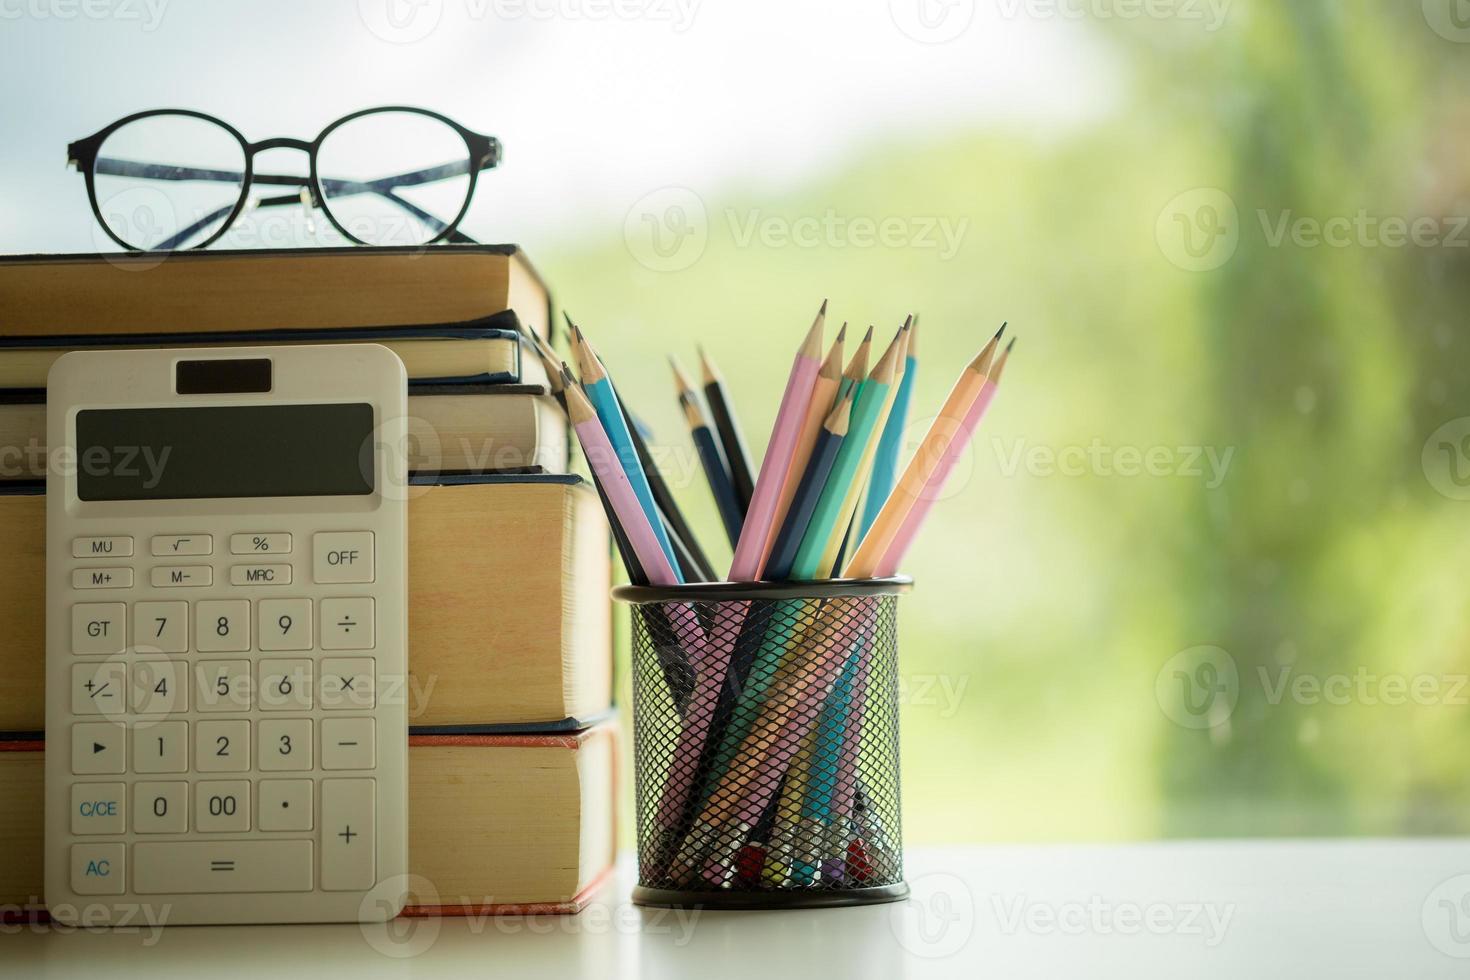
1204,570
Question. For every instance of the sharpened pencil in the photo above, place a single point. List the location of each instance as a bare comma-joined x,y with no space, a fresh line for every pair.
819,468
728,426
929,457
800,384
709,456
890,444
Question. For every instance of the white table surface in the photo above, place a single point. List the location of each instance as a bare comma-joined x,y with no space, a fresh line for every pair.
1300,909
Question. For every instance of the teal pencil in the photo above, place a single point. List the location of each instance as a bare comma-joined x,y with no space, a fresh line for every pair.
885,464
600,392
816,810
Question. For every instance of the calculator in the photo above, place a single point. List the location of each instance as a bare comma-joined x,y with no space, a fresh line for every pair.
226,635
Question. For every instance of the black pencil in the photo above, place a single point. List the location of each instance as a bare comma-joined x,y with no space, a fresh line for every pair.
808,491
709,457
728,427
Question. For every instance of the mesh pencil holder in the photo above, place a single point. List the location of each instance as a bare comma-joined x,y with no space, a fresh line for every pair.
765,743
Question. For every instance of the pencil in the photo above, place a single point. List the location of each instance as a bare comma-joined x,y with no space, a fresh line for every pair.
709,456
930,455
816,807
885,463
831,554
824,397
819,468
856,371
728,427
557,382
914,520
800,384
872,395
604,461
610,413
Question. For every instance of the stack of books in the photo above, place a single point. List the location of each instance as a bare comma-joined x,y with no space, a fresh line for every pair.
510,687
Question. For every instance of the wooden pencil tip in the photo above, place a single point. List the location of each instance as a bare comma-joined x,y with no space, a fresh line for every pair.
868,337
913,348
1001,332
568,317
842,333
823,310
1010,345
908,322
811,346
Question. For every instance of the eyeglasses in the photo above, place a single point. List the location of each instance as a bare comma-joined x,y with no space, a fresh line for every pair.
173,178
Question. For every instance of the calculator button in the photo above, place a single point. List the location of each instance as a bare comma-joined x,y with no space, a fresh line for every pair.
342,556
161,627
102,578
260,574
180,576
99,689
97,748
222,867
348,846
222,807
347,743
98,869
284,624
97,808
160,687
285,745
116,547
223,685
182,545
285,685
347,624
349,683
161,808
98,628
160,747
285,804
222,625
260,543
222,746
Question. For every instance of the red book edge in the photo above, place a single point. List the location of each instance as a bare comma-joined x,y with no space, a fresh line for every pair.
36,914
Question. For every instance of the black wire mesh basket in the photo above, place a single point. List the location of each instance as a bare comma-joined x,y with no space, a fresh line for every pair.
765,742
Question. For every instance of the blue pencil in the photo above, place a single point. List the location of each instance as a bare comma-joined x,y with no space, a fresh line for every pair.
600,393
885,463
731,514
816,808
808,492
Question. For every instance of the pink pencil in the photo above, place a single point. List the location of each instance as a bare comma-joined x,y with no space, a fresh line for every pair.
749,551
909,529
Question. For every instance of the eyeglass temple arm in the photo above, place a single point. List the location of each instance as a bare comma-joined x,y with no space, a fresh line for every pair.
178,238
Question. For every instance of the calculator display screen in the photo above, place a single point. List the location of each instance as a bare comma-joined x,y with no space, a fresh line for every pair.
225,451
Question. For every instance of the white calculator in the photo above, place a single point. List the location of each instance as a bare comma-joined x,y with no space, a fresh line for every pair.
226,636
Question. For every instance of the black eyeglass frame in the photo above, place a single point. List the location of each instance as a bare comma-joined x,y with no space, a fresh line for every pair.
483,153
